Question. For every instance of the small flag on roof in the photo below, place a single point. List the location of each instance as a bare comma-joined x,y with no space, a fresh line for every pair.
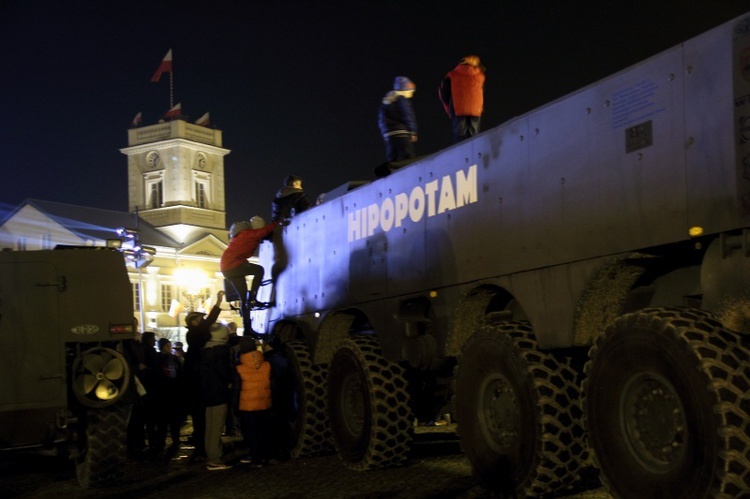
164,67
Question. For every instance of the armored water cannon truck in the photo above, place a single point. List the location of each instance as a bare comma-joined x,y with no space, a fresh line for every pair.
66,318
571,284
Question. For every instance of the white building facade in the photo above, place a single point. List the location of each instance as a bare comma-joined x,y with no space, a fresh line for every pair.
176,201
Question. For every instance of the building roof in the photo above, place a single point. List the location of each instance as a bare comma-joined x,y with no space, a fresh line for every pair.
96,223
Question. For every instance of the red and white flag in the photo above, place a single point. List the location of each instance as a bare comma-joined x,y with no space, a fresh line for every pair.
164,67
137,120
175,111
175,308
203,120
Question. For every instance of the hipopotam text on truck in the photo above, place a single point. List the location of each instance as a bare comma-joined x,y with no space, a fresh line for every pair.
572,286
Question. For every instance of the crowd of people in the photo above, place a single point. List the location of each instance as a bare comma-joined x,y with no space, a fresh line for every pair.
222,385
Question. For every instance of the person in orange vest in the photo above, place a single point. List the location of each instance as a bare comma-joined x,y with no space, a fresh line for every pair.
462,95
255,401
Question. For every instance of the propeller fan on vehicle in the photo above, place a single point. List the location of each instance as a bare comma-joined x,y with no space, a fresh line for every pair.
101,377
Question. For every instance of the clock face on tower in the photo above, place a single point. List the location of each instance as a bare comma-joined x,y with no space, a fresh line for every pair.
153,160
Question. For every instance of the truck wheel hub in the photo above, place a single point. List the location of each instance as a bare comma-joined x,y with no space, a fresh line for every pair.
654,421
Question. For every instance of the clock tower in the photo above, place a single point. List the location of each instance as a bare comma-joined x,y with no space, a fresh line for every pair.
176,179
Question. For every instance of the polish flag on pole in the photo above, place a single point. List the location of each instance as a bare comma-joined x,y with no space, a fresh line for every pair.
164,67
175,111
137,120
203,120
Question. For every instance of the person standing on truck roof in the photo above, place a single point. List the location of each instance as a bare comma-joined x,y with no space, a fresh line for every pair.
198,334
290,199
244,240
462,95
397,121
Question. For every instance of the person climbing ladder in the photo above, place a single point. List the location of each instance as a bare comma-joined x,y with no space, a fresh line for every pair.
244,239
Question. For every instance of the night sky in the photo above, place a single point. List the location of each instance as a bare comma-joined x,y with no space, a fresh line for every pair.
293,85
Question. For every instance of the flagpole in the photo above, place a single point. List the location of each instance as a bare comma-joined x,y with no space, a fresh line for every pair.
171,89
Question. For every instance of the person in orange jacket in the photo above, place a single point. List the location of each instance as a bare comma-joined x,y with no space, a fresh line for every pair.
255,401
462,95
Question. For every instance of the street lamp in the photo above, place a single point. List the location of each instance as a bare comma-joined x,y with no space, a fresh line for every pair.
192,282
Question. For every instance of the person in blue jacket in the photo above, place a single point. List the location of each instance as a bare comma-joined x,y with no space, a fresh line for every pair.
397,121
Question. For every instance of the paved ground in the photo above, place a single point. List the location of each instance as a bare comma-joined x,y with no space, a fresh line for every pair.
436,469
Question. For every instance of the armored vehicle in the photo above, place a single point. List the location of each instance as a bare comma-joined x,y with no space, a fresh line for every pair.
571,285
65,318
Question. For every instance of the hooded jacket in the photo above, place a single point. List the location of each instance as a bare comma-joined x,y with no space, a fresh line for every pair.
462,91
255,372
396,116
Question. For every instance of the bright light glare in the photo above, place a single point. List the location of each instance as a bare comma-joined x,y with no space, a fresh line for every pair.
191,280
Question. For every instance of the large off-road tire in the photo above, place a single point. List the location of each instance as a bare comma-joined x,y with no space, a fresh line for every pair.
311,434
518,413
101,376
102,440
667,406
368,406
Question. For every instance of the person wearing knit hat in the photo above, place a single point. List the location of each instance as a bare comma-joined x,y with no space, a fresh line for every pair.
462,94
215,378
397,121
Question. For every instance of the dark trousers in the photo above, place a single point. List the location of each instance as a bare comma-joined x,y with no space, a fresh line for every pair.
168,419
236,277
198,413
465,127
150,416
399,148
256,431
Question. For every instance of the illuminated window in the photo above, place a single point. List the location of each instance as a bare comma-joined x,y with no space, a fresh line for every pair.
166,297
201,198
154,190
204,294
202,189
136,296
156,196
